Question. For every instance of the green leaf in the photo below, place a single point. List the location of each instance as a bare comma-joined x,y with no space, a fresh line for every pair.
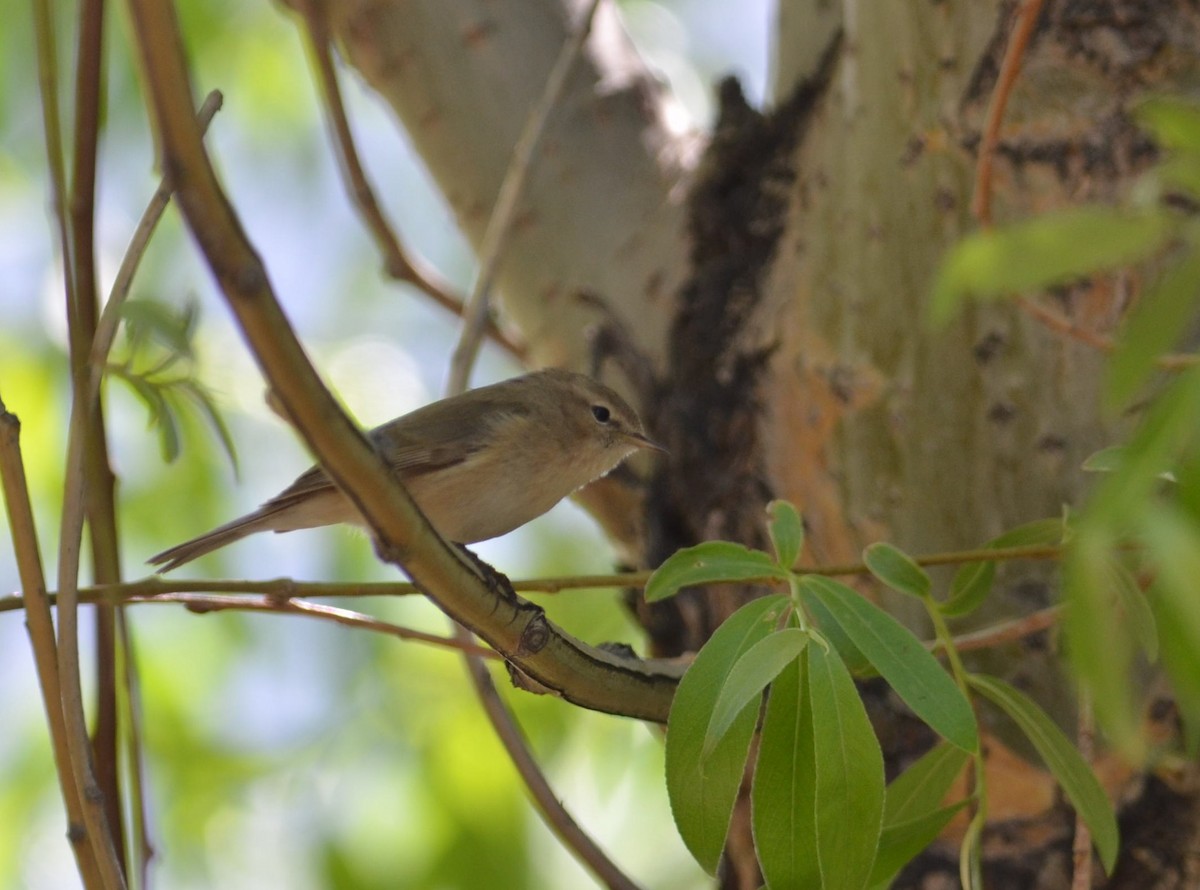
1173,121
901,659
1173,539
897,570
148,317
783,796
1179,639
1137,615
168,434
913,815
1156,324
1072,772
1167,430
900,843
1099,647
707,563
1106,460
703,789
162,416
1180,173
973,581
970,858
920,789
849,775
832,631
208,409
1051,249
1039,533
787,532
1112,460
971,585
749,676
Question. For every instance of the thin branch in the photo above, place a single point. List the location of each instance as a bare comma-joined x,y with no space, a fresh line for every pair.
108,629
132,711
499,228
110,318
1061,324
512,189
40,625
1006,631
1010,67
225,594
79,748
155,585
553,812
585,675
1081,846
99,482
981,204
209,602
94,825
398,262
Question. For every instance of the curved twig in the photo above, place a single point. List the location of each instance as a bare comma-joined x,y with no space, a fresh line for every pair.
40,625
981,202
499,226
1010,67
398,262
92,831
582,674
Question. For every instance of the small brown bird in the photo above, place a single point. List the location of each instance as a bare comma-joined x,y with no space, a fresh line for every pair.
478,464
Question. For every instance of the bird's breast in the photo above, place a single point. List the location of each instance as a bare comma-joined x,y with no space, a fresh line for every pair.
477,500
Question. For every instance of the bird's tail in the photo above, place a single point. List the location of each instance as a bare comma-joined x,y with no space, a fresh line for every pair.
259,520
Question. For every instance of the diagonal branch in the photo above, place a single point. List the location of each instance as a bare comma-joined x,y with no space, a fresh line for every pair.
92,829
398,262
40,624
504,722
582,674
99,482
512,189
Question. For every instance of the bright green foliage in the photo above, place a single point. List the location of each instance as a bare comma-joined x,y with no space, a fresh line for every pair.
970,588
1061,758
921,788
973,581
783,796
1148,482
913,814
849,774
709,562
1173,539
897,570
1155,325
787,532
749,677
901,842
820,814
1044,251
703,788
901,659
158,367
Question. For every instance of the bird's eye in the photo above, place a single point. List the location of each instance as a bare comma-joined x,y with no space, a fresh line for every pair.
601,413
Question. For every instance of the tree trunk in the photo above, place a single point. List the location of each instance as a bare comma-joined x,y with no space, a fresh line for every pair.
774,328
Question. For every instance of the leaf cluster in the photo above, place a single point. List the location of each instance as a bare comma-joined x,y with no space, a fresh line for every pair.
821,812
157,364
1131,568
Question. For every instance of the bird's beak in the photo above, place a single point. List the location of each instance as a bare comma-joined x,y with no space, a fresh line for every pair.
644,441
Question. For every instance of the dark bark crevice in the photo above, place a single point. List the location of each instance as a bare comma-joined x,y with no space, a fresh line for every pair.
708,406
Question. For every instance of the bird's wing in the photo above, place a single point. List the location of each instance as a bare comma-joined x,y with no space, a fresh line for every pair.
405,442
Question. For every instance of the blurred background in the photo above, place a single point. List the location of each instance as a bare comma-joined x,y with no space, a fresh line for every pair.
283,752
